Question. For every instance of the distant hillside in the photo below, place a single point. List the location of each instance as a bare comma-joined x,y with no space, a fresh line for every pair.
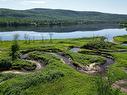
124,24
40,16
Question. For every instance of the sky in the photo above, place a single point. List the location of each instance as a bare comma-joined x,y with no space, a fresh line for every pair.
108,6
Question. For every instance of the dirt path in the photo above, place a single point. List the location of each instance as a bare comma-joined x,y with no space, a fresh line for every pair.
93,68
121,84
14,72
39,66
89,69
67,60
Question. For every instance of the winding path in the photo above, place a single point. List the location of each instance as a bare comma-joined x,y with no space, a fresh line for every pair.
90,69
121,84
39,66
94,68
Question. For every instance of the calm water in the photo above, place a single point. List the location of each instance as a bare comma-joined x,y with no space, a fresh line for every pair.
73,33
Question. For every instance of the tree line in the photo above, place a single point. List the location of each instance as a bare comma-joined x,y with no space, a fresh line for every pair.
5,22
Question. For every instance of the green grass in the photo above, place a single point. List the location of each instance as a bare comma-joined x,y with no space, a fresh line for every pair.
118,68
86,59
23,64
121,39
55,75
98,43
57,78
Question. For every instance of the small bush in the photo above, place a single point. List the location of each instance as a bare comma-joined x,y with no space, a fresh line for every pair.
5,64
98,44
14,49
23,64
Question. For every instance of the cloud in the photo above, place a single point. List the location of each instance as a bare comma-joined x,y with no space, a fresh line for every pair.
37,2
3,0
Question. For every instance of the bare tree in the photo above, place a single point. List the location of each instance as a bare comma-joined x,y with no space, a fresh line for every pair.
50,37
33,39
1,39
42,38
26,37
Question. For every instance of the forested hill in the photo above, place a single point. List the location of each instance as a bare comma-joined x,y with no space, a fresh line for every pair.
40,16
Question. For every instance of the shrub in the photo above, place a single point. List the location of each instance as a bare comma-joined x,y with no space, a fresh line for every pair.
23,64
5,64
15,48
98,44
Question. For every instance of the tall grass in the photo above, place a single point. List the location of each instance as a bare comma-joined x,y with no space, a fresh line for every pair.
99,43
104,86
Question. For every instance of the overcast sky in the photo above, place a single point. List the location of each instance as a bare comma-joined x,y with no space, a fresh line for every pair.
108,6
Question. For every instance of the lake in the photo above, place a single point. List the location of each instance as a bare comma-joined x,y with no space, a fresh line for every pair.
62,32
